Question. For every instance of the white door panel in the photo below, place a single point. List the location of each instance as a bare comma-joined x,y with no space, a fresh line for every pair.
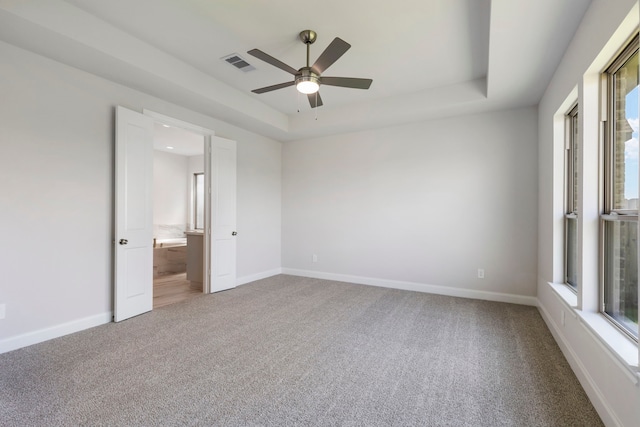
223,214
133,215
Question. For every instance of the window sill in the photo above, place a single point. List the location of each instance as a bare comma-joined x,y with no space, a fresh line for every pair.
567,295
622,349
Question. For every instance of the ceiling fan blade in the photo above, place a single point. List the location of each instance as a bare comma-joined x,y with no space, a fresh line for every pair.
314,99
274,87
351,82
273,61
335,50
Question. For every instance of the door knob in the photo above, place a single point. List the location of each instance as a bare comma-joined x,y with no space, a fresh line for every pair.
123,241
234,233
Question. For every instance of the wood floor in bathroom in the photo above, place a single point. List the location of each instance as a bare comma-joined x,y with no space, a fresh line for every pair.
172,288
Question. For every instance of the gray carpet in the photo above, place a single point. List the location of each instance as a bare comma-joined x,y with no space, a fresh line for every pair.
298,351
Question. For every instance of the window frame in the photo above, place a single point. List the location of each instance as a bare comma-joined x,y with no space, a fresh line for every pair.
197,201
609,213
571,191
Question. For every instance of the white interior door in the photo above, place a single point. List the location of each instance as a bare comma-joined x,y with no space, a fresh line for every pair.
133,214
222,200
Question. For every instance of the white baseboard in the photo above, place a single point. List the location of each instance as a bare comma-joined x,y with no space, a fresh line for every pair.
258,276
590,387
35,337
418,287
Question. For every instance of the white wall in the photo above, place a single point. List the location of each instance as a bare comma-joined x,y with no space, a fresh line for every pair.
259,210
171,186
426,203
56,195
195,164
608,383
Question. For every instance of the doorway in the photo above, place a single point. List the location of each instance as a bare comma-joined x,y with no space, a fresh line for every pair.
134,231
178,214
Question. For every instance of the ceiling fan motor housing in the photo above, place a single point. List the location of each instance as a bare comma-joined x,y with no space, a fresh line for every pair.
305,74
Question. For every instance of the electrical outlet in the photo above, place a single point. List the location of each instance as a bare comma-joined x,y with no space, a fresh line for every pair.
481,273
3,311
315,258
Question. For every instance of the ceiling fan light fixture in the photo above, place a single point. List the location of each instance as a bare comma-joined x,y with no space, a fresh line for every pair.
307,84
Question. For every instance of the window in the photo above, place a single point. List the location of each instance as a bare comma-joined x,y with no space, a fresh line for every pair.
619,221
571,194
198,201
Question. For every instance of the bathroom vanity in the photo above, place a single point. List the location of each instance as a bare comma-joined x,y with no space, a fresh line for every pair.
195,258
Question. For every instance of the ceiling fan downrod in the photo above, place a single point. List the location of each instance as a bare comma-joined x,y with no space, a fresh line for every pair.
308,37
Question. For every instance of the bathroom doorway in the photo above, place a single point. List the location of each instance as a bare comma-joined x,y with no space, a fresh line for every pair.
133,208
178,214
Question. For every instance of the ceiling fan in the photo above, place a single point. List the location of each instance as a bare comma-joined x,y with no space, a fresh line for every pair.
309,78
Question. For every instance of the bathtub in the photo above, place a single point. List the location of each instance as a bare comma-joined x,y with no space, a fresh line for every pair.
168,243
169,256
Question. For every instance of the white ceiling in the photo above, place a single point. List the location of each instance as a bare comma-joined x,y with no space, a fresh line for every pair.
177,141
427,58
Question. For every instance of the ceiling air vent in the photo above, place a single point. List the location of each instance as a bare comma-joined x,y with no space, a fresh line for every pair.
239,62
